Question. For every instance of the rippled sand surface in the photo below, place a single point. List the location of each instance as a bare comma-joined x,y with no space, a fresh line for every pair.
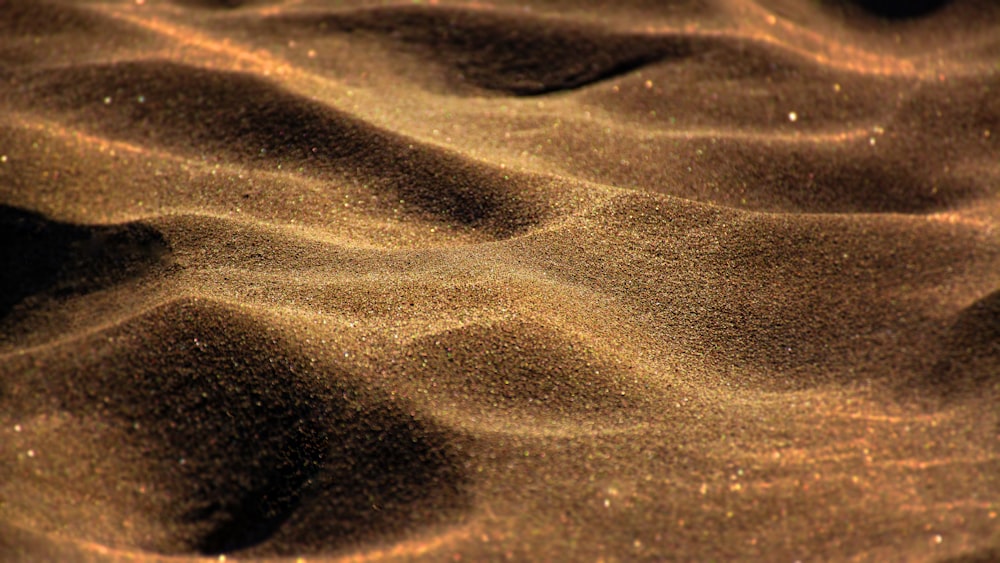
565,280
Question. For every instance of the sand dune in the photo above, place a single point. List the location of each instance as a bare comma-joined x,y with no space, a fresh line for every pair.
366,281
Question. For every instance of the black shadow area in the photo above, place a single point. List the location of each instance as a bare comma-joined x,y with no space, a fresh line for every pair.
970,358
39,255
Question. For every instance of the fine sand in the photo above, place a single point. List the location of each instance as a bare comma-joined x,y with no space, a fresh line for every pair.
562,280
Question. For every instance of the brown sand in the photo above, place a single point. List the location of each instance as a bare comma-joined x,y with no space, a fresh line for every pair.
576,280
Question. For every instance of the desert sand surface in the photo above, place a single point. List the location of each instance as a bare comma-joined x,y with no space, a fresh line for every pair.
371,281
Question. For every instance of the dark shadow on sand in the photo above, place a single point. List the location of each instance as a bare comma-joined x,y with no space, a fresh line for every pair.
39,255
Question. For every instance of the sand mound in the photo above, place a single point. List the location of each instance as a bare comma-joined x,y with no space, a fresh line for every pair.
215,432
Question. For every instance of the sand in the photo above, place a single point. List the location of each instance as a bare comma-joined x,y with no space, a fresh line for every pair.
566,280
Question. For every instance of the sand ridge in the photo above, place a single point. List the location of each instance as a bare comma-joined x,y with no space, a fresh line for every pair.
368,281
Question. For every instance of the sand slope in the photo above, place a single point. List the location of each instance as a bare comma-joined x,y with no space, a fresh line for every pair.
372,281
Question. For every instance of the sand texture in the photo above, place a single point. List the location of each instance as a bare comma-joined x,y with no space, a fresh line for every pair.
534,281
